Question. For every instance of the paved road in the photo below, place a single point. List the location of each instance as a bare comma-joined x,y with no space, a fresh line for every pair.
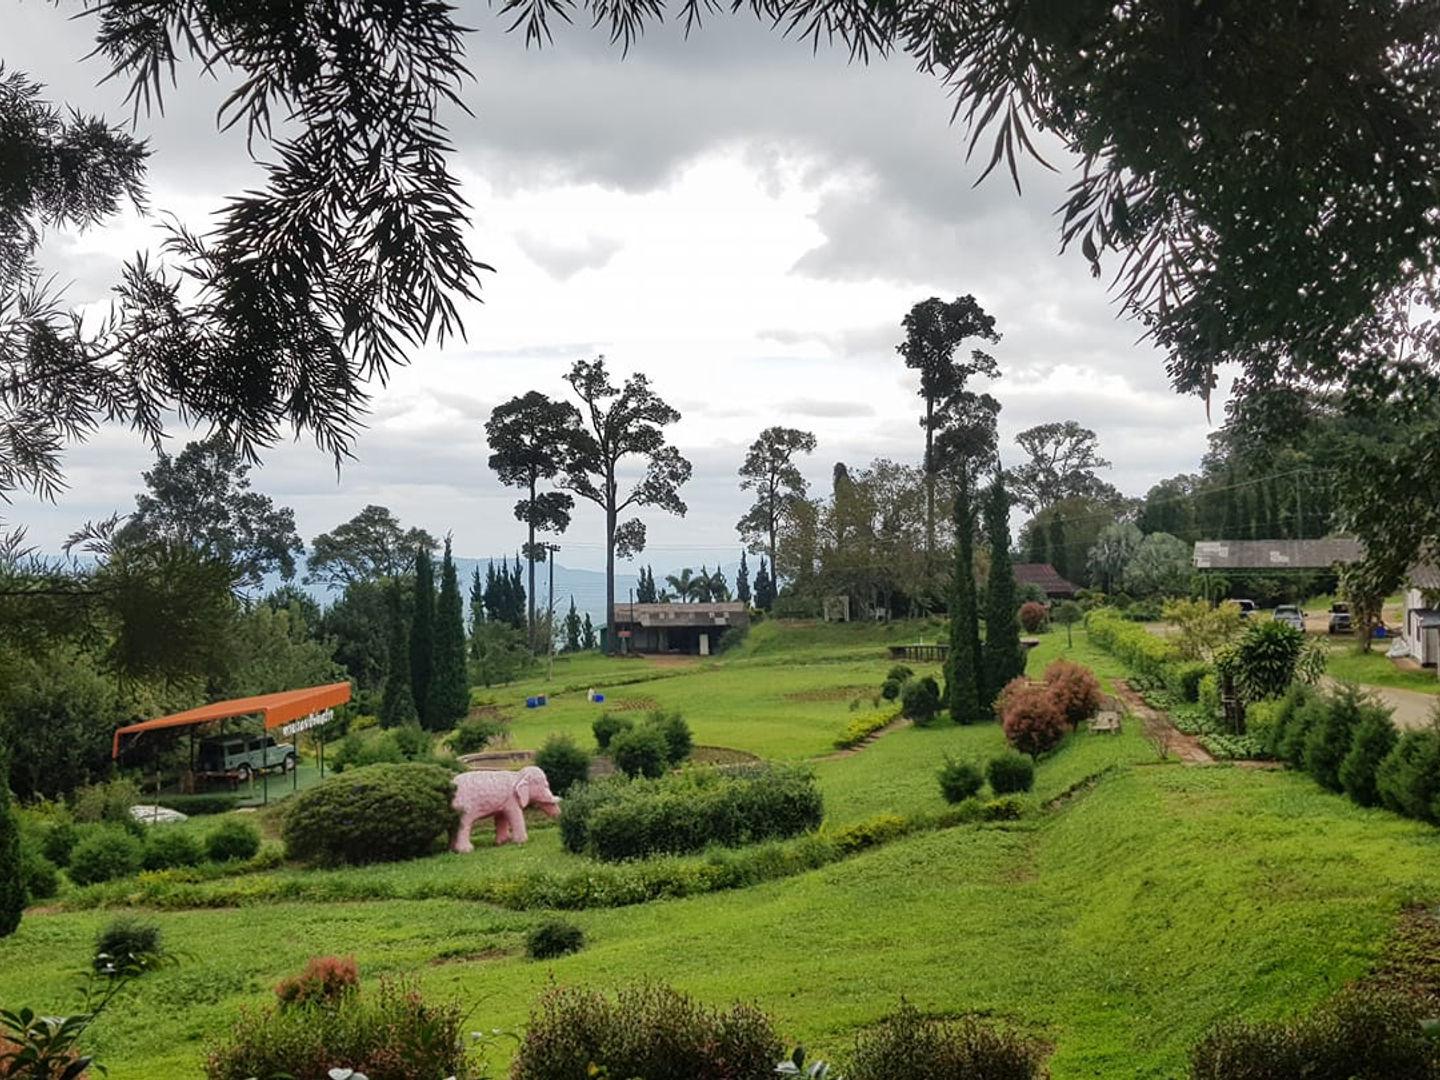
1413,709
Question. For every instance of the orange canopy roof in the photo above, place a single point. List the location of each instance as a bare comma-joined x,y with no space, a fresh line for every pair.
277,709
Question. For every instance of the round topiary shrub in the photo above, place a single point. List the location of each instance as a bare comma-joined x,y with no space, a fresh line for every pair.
641,752
59,841
103,855
920,700
959,780
232,839
1033,616
1033,721
678,740
472,736
125,939
380,813
563,762
1075,690
890,689
608,726
167,847
1010,773
39,877
554,937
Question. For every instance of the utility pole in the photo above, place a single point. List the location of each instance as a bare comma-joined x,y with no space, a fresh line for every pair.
551,549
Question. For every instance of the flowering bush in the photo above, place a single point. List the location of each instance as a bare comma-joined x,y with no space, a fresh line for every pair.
1033,721
325,980
1075,690
1033,616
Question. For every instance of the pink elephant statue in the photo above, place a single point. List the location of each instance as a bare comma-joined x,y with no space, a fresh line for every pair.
502,796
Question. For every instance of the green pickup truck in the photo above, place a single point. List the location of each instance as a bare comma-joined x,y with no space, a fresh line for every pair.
240,756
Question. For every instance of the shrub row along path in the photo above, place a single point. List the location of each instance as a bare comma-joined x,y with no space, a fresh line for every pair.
869,740
1157,724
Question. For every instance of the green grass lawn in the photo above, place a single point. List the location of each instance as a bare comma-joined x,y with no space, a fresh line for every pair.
1117,925
1374,669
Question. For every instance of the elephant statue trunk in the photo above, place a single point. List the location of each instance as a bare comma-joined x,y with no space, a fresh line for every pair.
503,797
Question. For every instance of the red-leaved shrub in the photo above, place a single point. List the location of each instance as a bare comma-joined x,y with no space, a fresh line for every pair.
1018,685
325,980
1033,616
1075,690
1033,721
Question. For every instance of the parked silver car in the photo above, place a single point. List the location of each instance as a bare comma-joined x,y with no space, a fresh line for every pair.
1290,615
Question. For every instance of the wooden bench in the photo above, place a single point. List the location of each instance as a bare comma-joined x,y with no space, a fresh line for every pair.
1106,723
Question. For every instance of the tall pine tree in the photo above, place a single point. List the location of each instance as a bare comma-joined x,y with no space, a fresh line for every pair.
587,634
742,582
448,696
963,674
1004,656
12,885
477,612
397,703
517,596
422,634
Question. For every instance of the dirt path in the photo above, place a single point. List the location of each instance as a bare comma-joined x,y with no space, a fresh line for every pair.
1186,747
894,725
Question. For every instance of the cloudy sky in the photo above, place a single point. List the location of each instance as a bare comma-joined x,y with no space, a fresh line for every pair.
742,220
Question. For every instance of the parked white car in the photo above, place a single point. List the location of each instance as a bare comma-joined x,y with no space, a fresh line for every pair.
1290,615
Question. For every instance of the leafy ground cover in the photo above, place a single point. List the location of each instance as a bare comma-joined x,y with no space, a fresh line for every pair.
1133,906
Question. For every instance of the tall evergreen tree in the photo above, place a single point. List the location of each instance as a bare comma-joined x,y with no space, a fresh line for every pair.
448,696
963,672
477,612
494,609
1036,551
397,703
1055,545
764,587
422,633
587,634
517,596
12,886
1004,656
742,582
573,628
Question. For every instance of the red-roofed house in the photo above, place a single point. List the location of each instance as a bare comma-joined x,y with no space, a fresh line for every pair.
1047,578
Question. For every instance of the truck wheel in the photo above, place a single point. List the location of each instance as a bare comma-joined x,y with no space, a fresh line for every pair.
243,774
288,765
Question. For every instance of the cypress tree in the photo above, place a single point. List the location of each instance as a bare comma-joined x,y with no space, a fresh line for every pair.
1004,657
448,696
492,593
1055,542
397,703
764,587
572,628
587,634
477,612
742,582
962,662
517,596
12,885
1035,547
422,634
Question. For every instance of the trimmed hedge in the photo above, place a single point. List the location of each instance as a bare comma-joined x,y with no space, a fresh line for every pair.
648,1032
861,728
1183,677
564,762
167,846
1010,773
1145,654
233,839
688,811
104,854
907,1044
380,813
960,780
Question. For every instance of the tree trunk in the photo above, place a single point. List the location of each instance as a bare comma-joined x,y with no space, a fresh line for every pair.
530,558
929,484
610,515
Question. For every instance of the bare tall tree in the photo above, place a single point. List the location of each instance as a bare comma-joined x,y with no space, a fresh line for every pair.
770,471
617,423
530,438
934,331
